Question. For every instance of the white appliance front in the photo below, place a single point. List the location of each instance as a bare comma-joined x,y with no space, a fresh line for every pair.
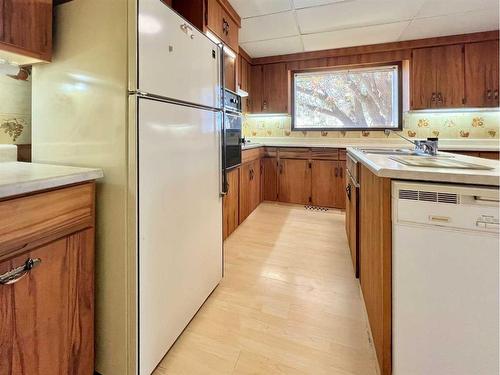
445,281
175,60
180,221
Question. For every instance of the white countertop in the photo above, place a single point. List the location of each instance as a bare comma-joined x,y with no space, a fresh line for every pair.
383,166
21,178
444,144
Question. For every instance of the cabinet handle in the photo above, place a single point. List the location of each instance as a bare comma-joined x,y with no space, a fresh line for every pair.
348,191
281,168
488,95
341,172
336,172
440,98
13,276
495,94
433,97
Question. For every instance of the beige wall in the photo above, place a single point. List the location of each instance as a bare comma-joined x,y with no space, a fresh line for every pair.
15,111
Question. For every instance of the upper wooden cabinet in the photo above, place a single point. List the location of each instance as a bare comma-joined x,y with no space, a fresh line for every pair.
437,79
481,74
269,88
26,29
217,16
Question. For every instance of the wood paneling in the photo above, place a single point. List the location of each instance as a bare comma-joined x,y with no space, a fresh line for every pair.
294,181
230,203
26,27
27,220
340,186
380,48
269,179
437,77
481,74
375,261
489,155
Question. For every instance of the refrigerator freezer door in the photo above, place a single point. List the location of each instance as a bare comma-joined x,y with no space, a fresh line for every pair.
175,60
180,221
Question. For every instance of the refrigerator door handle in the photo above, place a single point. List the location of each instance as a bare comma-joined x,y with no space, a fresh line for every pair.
224,187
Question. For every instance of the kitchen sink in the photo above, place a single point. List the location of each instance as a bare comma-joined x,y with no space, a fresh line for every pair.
437,162
398,151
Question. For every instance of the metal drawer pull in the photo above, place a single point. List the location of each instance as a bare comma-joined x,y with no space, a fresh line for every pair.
13,276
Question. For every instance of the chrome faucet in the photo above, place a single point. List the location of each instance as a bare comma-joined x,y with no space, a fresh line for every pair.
428,147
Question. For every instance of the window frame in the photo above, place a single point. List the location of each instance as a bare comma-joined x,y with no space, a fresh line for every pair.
399,65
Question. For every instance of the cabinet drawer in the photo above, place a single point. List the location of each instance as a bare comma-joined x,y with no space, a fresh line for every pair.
251,155
320,153
294,153
270,152
48,215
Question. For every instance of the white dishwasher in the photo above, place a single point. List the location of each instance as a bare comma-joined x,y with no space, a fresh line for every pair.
445,279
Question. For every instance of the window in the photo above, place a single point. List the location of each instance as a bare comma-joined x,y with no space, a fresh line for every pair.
347,99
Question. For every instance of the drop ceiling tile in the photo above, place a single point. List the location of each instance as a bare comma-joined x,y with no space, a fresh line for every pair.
356,13
354,37
252,8
440,8
464,23
273,47
312,3
278,25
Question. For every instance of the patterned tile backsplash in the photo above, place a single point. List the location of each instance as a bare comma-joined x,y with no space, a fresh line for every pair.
15,111
444,125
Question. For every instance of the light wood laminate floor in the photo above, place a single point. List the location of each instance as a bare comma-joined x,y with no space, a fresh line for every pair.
288,304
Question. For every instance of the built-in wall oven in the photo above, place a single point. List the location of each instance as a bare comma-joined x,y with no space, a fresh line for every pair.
232,129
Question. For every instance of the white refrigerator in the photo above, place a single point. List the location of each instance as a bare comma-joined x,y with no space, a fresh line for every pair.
135,89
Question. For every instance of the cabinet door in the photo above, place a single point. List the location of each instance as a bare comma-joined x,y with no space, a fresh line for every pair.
255,182
481,74
243,76
245,191
215,18
255,94
229,72
270,179
423,78
294,181
449,64
328,183
275,97
340,186
47,317
26,27
437,77
230,207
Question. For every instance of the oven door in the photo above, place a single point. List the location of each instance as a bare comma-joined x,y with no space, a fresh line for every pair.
232,139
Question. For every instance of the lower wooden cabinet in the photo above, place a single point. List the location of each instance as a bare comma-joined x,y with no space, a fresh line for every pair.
328,183
294,181
47,306
230,203
249,188
269,179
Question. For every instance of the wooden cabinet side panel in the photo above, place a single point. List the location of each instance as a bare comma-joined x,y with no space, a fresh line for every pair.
294,181
375,261
245,192
47,318
255,184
